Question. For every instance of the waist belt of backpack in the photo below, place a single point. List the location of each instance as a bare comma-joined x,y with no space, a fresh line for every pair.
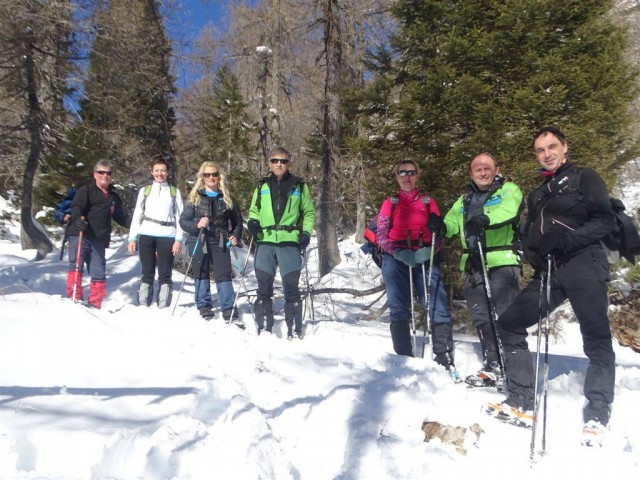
498,248
281,228
159,222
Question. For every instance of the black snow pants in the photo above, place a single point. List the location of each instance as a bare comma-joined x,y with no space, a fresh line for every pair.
582,278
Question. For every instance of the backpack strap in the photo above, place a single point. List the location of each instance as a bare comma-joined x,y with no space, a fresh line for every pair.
394,202
299,185
173,191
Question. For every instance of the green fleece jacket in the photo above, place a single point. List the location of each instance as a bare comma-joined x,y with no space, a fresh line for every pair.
503,208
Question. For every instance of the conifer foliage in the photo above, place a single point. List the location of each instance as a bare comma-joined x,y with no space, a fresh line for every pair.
227,133
483,75
126,113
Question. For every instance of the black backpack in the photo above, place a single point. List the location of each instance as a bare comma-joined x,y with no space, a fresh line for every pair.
625,238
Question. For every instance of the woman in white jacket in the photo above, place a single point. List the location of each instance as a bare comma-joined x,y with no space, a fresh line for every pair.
156,233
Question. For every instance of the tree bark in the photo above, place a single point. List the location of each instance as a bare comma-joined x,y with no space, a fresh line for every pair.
31,236
328,252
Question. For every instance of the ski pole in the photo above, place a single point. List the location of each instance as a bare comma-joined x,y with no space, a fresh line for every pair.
426,283
65,238
545,377
242,271
534,425
413,316
198,240
309,298
493,315
77,268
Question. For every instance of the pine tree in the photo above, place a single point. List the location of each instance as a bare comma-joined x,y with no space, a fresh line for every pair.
127,114
227,134
483,75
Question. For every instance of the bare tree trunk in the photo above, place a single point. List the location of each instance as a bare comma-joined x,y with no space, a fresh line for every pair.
31,236
328,251
361,214
265,56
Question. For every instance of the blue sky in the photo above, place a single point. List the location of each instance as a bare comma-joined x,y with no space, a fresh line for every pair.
187,22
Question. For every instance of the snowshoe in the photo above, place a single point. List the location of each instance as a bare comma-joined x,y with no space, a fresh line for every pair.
233,319
206,313
485,378
238,323
454,374
294,336
593,434
511,415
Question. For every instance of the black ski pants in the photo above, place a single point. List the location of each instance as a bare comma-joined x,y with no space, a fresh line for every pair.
156,252
582,278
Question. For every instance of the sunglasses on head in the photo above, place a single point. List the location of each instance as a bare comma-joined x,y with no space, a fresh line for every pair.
211,174
407,173
103,172
283,161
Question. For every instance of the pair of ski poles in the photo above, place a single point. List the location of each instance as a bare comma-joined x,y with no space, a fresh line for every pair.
543,305
242,270
426,284
544,311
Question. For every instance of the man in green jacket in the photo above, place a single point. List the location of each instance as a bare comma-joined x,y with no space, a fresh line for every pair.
281,218
488,212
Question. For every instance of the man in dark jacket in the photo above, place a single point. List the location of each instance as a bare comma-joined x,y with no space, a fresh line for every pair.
93,208
568,216
281,217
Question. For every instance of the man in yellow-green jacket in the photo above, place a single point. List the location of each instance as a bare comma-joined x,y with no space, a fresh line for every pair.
281,218
488,212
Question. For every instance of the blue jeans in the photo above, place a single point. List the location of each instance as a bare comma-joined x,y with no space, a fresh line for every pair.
226,294
203,293
396,280
92,253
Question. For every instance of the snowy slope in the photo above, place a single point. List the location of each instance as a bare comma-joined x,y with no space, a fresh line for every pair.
132,392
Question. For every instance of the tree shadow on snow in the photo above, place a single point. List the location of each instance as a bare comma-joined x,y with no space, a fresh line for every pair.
15,393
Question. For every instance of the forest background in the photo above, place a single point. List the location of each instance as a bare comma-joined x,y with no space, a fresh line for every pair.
348,86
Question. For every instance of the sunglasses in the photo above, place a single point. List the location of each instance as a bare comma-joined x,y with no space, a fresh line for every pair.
407,173
283,161
211,174
103,172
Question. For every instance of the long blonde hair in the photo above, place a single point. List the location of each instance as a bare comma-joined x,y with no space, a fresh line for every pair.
199,185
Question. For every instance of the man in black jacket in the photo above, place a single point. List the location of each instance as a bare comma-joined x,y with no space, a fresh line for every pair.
92,210
568,216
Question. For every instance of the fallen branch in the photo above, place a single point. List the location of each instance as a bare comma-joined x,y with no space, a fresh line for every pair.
349,291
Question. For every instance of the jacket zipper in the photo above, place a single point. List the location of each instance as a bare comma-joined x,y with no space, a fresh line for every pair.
554,221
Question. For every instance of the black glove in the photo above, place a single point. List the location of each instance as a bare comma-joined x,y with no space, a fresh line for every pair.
476,225
553,242
81,224
304,240
436,225
254,227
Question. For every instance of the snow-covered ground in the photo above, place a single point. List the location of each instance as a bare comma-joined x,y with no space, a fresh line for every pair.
131,392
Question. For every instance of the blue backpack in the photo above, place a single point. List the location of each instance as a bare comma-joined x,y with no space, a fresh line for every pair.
64,207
